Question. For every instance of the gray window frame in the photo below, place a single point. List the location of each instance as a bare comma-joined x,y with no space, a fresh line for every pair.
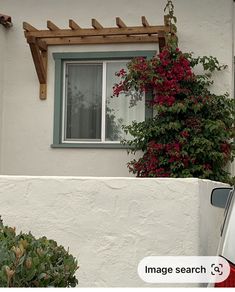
60,59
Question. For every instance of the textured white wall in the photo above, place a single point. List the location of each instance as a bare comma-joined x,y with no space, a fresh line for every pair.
204,27
2,61
110,224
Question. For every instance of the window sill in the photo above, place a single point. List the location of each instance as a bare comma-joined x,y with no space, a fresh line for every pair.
91,145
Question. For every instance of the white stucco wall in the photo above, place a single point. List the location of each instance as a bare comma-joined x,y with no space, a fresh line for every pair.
2,61
204,27
110,224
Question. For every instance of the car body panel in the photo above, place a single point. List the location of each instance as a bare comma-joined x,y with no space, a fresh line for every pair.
227,242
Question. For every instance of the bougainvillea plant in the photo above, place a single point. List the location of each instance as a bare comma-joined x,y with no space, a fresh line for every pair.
191,133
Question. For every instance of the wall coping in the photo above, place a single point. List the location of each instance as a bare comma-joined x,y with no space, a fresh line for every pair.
100,178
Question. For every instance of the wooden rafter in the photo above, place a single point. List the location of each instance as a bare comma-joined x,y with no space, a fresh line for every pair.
73,25
28,27
144,21
51,26
120,23
96,24
39,40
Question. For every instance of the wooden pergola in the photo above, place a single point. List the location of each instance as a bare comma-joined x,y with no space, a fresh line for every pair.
39,40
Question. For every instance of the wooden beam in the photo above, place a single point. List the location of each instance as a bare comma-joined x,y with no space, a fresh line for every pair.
73,25
101,40
97,32
28,27
51,26
96,24
144,21
120,23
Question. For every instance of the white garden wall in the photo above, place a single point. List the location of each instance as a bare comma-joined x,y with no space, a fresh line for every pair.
2,57
204,27
110,224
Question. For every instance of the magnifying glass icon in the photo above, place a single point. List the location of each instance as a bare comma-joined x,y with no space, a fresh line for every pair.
216,269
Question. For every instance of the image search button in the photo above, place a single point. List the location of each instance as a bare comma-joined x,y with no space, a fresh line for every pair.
183,269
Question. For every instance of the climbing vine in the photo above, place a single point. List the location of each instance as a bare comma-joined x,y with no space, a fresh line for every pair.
171,20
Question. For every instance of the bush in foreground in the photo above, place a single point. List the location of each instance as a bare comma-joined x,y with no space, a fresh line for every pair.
29,262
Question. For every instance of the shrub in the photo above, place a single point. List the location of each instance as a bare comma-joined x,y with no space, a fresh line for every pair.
191,133
29,262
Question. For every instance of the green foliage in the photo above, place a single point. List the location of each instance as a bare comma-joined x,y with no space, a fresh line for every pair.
29,262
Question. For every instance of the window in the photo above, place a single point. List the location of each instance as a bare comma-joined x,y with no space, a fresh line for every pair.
85,113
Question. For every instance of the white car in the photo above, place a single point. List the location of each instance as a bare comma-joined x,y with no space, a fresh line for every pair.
225,198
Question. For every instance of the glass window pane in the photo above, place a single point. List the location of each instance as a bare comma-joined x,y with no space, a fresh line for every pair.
121,110
83,101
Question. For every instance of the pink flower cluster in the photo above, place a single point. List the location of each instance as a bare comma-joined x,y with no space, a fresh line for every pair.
150,164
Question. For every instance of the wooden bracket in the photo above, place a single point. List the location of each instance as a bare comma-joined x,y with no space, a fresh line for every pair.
39,54
39,40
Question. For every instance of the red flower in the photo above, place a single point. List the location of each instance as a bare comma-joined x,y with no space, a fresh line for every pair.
225,148
117,89
176,146
207,166
121,73
186,161
184,134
